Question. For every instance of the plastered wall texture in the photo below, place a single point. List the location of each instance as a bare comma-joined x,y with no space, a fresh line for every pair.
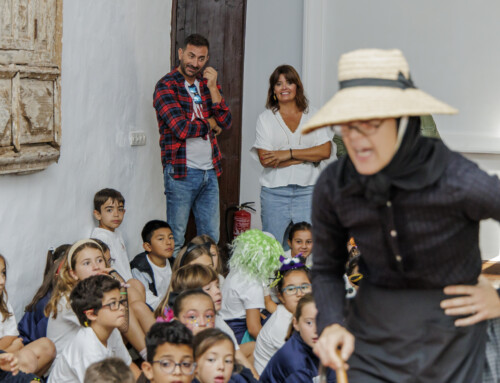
113,53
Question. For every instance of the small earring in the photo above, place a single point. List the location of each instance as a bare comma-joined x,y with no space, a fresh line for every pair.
86,324
274,97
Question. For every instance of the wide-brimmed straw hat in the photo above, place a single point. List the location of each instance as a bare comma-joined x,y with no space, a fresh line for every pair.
375,83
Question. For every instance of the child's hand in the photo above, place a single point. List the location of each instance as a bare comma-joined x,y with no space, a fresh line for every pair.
8,362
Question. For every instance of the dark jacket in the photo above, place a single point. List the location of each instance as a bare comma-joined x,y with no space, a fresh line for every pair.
141,263
294,362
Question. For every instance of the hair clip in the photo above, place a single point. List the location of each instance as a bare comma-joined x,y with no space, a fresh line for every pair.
286,265
123,293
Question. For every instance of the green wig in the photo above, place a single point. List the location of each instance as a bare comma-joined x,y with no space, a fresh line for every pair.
256,255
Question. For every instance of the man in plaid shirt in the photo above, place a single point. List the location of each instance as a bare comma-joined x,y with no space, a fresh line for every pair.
191,113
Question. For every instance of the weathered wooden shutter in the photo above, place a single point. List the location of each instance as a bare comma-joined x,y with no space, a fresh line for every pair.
30,72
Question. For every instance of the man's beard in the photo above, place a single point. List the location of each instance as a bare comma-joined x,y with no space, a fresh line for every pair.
184,68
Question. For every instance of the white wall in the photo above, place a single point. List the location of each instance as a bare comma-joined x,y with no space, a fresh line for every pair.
114,51
450,47
273,37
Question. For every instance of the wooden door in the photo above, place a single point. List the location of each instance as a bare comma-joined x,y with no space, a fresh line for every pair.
222,22
30,70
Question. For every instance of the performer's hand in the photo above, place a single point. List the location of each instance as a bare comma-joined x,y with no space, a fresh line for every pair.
8,362
333,337
479,302
217,130
211,75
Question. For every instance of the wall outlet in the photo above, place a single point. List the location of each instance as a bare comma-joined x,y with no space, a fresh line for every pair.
137,138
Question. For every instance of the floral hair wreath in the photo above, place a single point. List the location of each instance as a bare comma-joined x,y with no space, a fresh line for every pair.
288,264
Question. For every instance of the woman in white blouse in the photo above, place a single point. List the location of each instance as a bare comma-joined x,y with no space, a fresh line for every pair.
292,161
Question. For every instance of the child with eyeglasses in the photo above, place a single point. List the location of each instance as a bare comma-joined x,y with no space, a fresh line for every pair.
170,354
291,283
100,307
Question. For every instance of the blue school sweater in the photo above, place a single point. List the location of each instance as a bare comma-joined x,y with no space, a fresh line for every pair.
294,362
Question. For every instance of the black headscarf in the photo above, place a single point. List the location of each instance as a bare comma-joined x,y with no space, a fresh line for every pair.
418,162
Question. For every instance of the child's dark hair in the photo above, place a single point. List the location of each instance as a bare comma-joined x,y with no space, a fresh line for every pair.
109,370
177,306
54,258
197,40
151,227
172,332
3,298
103,195
306,299
282,277
205,339
299,226
88,294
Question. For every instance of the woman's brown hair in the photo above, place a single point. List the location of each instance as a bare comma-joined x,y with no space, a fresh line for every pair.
187,278
3,298
65,282
291,75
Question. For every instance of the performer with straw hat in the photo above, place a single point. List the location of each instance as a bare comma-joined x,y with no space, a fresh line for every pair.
414,208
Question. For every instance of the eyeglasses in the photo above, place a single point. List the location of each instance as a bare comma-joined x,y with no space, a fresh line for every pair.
365,128
115,305
168,366
293,290
194,91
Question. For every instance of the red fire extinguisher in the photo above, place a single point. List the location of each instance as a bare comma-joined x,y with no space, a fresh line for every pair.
242,219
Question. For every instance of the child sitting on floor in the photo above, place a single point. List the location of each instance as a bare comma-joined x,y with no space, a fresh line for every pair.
194,309
99,306
292,283
109,210
254,259
152,267
217,261
109,370
203,277
38,355
295,362
170,354
194,253
214,353
33,324
84,259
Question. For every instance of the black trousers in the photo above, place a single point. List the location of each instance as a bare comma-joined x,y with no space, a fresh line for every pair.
403,336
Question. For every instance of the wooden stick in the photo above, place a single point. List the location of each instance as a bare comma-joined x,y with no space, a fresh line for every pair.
341,373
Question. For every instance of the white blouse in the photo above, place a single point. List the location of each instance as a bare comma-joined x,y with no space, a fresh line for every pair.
273,134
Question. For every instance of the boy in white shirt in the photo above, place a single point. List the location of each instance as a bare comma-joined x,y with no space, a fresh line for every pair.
152,268
100,307
109,210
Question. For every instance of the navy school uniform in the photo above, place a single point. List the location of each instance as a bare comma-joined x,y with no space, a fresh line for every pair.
33,324
294,362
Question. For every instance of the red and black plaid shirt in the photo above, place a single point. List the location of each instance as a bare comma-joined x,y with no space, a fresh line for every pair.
174,111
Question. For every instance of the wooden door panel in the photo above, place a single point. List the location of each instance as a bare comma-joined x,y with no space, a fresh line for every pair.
37,111
5,112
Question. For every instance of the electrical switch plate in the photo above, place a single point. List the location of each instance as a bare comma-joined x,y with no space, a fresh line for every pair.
137,138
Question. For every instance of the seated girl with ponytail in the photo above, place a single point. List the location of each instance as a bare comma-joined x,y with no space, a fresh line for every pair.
295,362
291,284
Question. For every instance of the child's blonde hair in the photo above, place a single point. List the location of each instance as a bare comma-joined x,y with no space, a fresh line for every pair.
187,278
3,298
65,282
